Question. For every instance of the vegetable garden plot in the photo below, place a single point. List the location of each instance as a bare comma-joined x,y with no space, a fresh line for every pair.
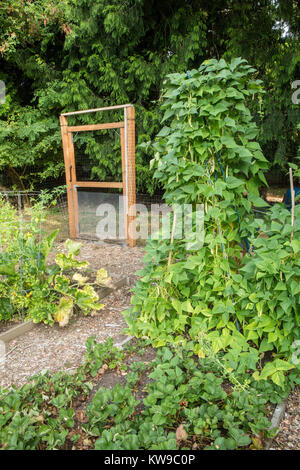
225,323
136,398
56,348
31,287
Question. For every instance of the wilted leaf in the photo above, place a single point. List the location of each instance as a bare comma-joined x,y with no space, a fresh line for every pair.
79,278
73,247
103,277
64,312
181,434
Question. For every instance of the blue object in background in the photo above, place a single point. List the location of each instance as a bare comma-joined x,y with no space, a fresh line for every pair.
288,198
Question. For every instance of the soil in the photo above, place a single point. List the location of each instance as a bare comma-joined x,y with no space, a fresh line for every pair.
108,379
112,378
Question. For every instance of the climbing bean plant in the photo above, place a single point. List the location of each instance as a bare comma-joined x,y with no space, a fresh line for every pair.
206,153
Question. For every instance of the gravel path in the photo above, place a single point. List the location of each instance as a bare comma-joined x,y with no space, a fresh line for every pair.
288,437
118,260
55,348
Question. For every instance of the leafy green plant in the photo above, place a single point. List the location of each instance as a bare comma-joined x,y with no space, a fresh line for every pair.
132,46
30,286
188,403
269,293
98,354
40,414
206,153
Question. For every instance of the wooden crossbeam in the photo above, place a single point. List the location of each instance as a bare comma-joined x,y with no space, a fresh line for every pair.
106,108
98,184
96,127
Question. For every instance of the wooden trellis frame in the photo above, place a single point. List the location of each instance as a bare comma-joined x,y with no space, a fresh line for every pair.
127,133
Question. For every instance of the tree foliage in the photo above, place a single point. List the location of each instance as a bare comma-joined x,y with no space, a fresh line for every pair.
267,35
76,54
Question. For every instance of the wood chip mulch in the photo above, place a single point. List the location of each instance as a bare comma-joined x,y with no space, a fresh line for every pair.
288,437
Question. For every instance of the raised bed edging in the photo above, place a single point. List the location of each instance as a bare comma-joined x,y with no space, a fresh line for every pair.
24,327
16,331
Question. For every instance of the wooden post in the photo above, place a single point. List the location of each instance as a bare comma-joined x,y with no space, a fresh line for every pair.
122,133
65,142
131,190
73,183
293,200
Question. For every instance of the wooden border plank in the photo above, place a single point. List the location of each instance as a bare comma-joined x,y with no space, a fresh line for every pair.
16,331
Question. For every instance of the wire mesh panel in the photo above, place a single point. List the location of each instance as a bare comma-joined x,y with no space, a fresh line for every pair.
101,215
98,155
152,215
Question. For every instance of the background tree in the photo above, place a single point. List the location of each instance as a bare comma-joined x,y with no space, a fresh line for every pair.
266,33
76,54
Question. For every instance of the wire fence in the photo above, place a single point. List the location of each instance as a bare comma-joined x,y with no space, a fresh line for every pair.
101,214
150,211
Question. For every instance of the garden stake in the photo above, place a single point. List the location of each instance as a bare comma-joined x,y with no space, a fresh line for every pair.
293,200
172,238
222,244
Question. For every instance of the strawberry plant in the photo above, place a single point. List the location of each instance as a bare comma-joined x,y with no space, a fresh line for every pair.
195,397
188,403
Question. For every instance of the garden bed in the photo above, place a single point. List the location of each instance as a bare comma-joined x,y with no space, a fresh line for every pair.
55,348
60,348
74,401
286,439
108,379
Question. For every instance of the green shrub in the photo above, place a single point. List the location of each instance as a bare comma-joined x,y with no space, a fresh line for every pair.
30,287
